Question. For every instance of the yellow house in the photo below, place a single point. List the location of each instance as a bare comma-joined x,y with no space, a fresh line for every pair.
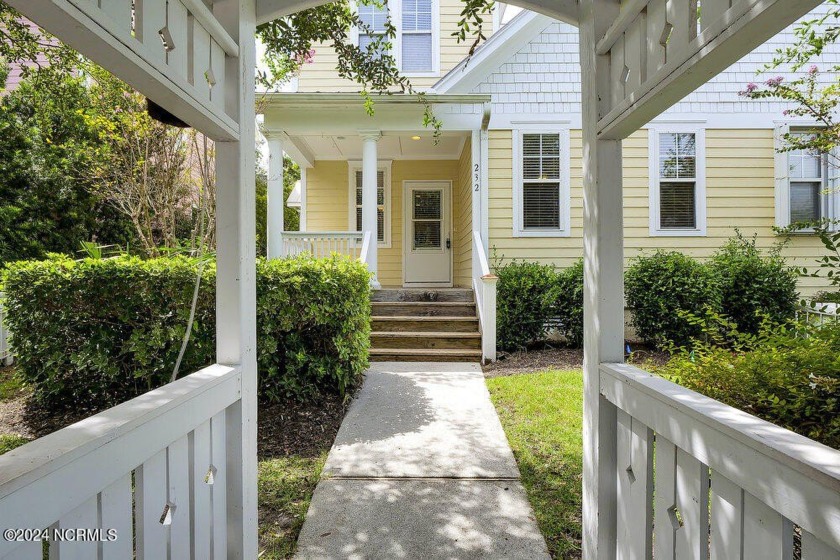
504,180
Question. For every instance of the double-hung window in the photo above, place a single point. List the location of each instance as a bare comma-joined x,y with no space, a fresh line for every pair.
541,183
416,45
677,170
806,182
382,202
417,36
373,17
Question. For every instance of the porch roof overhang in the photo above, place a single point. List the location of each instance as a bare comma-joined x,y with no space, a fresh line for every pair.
299,119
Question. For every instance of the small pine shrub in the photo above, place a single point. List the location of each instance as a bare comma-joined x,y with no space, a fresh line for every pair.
525,299
568,308
661,288
753,287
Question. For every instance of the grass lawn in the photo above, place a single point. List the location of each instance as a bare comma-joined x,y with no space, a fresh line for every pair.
542,415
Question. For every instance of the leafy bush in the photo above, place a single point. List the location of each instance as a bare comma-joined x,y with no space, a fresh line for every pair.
568,307
826,297
661,288
787,374
525,299
104,331
753,286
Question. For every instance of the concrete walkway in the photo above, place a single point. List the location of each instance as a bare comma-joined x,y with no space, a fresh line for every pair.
421,469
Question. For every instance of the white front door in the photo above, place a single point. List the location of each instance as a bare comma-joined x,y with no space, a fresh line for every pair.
427,245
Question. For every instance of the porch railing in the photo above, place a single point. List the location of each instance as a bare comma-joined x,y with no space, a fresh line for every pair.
6,356
322,244
147,479
820,314
695,478
484,285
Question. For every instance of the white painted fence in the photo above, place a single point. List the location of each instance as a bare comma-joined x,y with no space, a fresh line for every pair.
484,285
322,244
697,479
156,470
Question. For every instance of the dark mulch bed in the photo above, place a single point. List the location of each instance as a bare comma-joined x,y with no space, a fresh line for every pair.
541,359
535,360
304,430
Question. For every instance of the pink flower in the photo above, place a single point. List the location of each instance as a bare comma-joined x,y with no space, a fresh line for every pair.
813,69
775,82
786,112
751,87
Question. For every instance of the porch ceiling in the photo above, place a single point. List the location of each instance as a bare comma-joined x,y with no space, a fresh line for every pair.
391,146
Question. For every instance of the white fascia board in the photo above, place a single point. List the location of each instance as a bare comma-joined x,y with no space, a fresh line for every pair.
496,51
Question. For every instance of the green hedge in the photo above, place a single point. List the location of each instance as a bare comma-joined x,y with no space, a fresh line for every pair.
661,289
103,331
525,298
568,305
787,374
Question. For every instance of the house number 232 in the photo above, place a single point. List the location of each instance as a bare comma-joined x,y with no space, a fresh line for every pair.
477,182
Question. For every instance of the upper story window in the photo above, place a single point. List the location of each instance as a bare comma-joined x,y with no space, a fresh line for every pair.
417,42
417,36
383,202
374,18
806,183
541,197
678,190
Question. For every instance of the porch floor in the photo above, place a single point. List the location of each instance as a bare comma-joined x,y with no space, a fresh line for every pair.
421,468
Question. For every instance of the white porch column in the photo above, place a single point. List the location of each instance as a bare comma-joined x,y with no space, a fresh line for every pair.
370,166
276,200
603,288
236,294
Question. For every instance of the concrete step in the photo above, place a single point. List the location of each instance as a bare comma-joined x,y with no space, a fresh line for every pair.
423,355
401,323
426,340
423,294
423,309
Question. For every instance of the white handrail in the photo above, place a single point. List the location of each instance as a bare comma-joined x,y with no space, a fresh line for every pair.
484,285
172,440
761,478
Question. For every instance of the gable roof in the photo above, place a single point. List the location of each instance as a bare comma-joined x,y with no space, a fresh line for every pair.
495,51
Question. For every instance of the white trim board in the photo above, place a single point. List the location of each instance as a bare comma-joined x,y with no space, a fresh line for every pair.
494,52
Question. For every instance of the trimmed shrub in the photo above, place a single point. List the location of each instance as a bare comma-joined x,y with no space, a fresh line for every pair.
753,286
568,308
103,331
787,374
525,299
661,289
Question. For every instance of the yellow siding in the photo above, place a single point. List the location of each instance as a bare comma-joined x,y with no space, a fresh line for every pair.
739,193
321,75
462,220
327,199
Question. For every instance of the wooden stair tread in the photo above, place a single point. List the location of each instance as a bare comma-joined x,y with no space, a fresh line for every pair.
425,351
422,303
427,334
424,318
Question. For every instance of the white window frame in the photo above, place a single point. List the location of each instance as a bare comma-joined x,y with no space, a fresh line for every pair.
565,229
395,7
699,131
352,168
829,199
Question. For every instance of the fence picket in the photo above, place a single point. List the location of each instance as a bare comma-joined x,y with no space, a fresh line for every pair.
693,506
762,530
150,501
200,491
115,512
178,497
83,517
665,524
727,519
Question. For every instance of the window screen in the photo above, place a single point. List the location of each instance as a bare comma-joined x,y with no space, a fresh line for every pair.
380,203
417,36
677,180
374,18
806,184
541,181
